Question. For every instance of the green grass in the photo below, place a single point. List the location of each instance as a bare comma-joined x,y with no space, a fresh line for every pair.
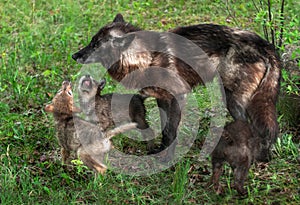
37,41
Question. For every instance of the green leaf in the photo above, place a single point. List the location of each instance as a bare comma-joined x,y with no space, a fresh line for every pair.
47,73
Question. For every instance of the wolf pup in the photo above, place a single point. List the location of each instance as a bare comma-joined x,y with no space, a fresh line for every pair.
107,110
239,147
75,134
247,64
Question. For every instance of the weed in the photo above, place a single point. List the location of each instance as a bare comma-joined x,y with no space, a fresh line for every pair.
178,187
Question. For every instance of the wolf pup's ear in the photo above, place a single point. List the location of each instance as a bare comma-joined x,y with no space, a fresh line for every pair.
118,18
102,84
49,108
123,41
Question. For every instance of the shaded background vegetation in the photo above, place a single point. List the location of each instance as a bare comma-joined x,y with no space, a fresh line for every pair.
37,39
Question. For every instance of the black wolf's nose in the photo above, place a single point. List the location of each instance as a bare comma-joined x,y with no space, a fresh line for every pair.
75,56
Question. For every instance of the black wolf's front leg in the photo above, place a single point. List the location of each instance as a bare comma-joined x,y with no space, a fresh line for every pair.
170,114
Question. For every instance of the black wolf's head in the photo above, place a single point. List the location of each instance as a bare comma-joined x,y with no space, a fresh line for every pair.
107,45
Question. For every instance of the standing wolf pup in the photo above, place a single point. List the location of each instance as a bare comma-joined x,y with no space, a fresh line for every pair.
247,64
75,134
108,110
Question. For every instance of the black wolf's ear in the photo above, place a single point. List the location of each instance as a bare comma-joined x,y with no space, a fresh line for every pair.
118,18
123,41
101,84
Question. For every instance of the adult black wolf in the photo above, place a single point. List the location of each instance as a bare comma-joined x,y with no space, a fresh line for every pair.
248,66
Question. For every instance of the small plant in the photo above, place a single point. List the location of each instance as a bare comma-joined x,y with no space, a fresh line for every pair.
79,166
286,147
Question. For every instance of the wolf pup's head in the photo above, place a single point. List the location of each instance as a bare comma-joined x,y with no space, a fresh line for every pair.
62,103
88,87
106,46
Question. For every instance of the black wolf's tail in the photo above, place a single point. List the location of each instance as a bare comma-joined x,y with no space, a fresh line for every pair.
262,107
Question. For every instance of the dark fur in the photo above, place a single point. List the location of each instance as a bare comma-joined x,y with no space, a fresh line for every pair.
239,148
248,66
126,107
76,134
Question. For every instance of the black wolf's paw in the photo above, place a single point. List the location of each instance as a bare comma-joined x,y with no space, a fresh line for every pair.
240,189
263,157
154,150
164,157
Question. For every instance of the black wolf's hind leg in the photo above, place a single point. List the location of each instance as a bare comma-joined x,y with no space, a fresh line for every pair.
217,172
262,113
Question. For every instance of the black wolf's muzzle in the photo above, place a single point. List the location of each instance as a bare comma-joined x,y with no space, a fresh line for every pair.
82,55
77,56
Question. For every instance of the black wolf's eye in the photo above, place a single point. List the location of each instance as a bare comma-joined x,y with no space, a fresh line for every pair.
105,39
96,44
